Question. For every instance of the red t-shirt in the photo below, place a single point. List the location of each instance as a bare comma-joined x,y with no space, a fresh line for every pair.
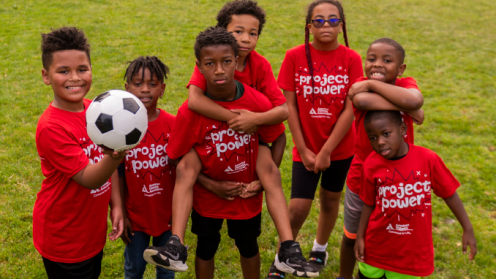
69,220
363,148
257,74
333,73
225,154
150,179
399,234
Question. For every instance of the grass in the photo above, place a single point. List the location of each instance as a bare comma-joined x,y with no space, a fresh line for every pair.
450,51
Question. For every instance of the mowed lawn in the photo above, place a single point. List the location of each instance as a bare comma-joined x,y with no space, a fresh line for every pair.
450,48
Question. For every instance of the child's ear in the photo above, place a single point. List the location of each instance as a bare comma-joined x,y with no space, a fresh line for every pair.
309,26
236,64
198,65
341,27
126,86
403,129
44,74
401,70
163,90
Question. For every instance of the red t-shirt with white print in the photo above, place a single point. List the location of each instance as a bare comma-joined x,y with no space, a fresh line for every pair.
363,148
69,220
257,74
333,73
225,154
399,233
150,179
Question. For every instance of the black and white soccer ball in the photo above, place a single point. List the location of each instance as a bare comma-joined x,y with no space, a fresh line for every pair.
117,120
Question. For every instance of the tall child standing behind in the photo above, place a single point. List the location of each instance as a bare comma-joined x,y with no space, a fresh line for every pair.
147,182
315,78
380,90
70,212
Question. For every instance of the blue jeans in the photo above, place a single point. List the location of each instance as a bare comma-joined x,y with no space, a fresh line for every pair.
135,265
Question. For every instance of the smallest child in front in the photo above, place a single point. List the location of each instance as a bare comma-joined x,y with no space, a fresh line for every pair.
146,178
394,238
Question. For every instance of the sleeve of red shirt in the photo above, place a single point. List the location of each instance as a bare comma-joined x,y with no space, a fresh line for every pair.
355,67
368,189
286,77
268,85
184,135
271,133
443,183
409,83
197,79
62,151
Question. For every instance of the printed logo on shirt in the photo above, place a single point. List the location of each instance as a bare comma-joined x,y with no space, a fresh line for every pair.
226,143
320,113
237,168
152,190
328,85
93,151
102,190
405,199
399,229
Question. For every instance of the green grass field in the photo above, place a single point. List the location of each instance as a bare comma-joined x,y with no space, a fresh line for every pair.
450,49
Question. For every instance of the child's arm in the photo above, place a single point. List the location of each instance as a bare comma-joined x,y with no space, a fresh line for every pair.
371,101
307,156
199,103
408,99
246,119
468,238
94,176
116,215
362,227
343,125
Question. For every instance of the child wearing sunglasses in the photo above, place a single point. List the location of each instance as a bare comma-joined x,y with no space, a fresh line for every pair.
315,78
381,89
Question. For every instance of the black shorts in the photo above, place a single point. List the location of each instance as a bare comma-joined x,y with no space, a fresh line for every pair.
88,269
236,229
261,142
304,182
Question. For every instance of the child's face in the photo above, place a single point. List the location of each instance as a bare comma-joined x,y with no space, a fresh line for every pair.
386,137
245,29
217,64
69,75
326,33
383,63
148,89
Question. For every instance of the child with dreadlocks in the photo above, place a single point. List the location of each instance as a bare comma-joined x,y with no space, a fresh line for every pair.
70,212
225,155
394,239
382,89
146,177
315,78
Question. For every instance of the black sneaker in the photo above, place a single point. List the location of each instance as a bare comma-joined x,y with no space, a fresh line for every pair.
275,273
319,259
291,260
172,256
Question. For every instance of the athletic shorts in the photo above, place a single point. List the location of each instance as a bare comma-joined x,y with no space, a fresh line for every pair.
352,212
373,272
261,142
88,269
236,229
304,183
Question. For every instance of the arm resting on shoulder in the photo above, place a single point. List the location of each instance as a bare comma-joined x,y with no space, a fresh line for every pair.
406,98
198,102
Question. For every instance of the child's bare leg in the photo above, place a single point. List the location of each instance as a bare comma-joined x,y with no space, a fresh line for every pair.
298,213
182,200
270,178
329,209
204,269
250,266
347,258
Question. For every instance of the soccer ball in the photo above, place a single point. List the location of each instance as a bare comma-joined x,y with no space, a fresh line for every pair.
116,120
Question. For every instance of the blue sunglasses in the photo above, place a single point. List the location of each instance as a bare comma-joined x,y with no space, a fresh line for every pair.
333,22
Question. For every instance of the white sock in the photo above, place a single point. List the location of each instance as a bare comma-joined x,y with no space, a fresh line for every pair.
277,257
318,248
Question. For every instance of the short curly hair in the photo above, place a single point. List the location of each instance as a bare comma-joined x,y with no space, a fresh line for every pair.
65,38
393,43
241,7
393,116
215,36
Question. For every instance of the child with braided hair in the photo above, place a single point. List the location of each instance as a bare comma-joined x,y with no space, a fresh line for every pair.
315,78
